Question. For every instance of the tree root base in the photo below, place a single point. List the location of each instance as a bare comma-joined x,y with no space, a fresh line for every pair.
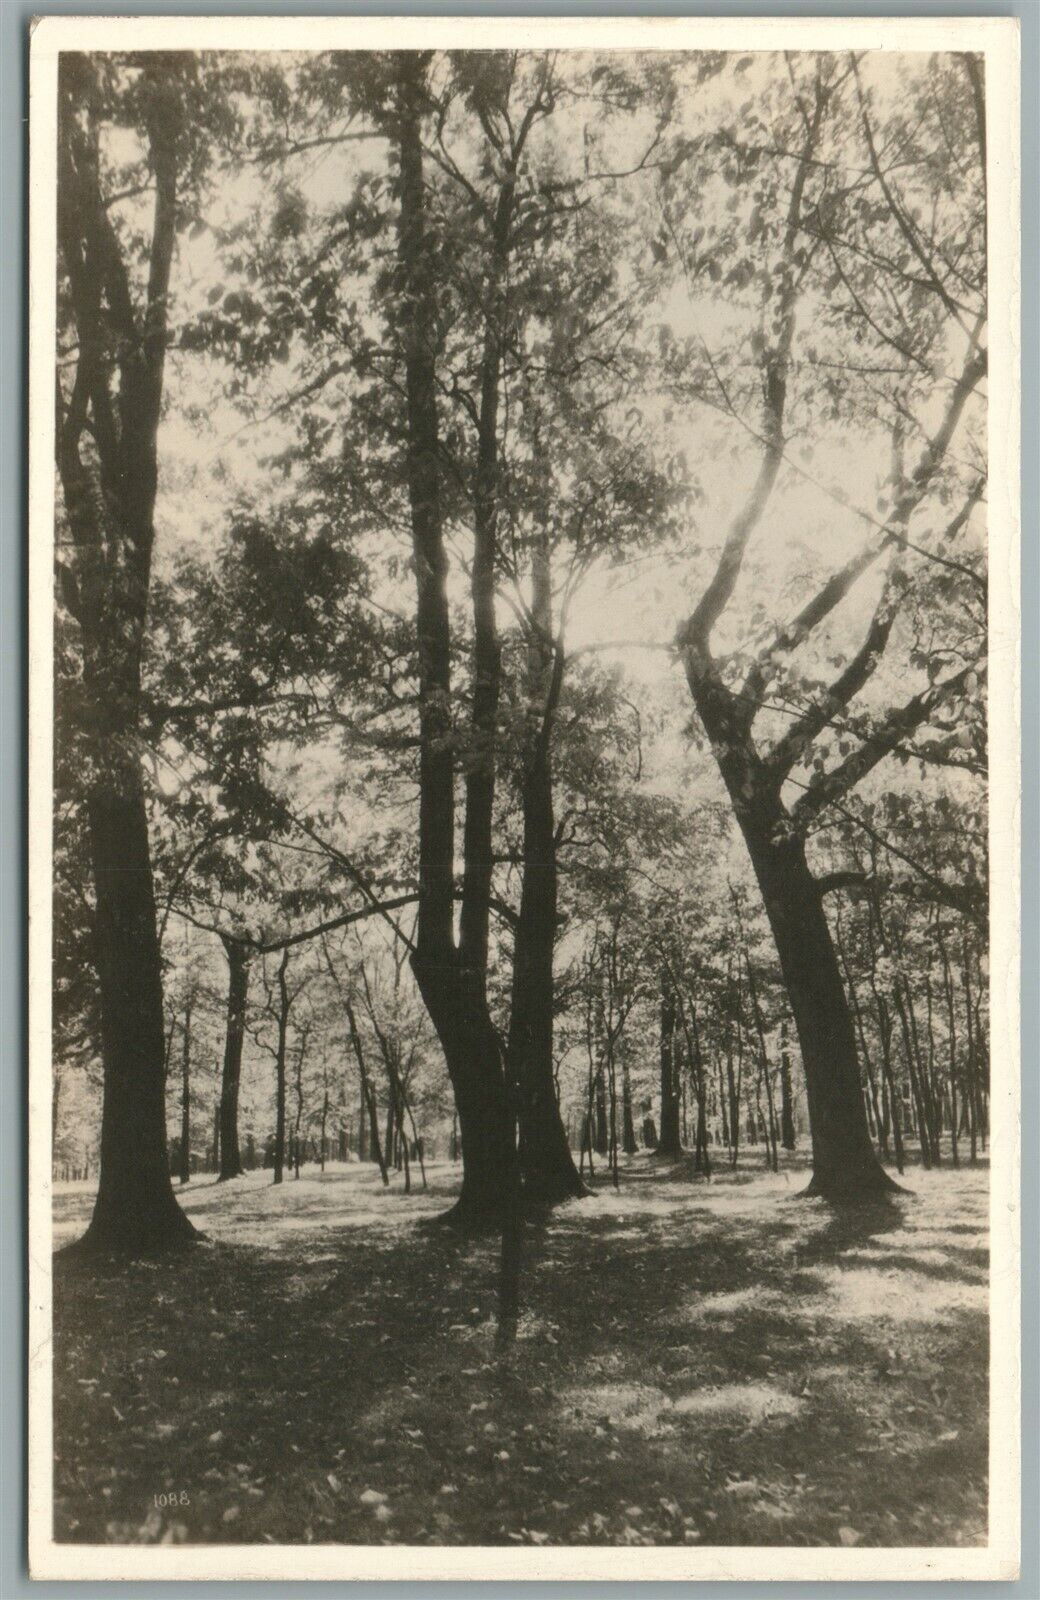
100,1245
873,1188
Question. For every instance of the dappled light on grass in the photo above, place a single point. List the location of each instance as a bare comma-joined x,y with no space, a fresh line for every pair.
748,1402
692,1363
635,1406
643,1409
897,1296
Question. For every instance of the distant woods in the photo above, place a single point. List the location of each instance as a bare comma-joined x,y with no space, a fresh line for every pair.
521,621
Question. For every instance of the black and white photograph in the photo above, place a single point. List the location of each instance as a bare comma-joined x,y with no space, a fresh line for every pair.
523,761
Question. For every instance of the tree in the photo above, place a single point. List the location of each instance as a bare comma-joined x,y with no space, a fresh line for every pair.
109,401
669,1140
823,205
238,985
452,977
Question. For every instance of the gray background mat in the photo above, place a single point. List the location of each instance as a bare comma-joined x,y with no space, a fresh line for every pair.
14,29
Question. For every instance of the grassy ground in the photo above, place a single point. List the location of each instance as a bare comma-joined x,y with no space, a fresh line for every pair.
702,1363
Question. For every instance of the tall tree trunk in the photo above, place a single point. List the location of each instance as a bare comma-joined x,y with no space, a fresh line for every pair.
185,1151
669,1142
105,577
844,1164
301,1052
231,1075
880,1119
764,1079
723,1101
54,1114
787,1132
457,1004
451,980
601,1128
974,1093
951,1015
613,1141
368,1109
628,1125
135,1210
546,1164
884,1019
732,1079
692,1033
281,1051
390,1131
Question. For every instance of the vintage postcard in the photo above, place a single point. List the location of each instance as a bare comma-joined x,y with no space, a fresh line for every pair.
524,798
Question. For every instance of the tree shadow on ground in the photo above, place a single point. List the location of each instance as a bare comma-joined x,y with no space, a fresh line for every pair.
704,1363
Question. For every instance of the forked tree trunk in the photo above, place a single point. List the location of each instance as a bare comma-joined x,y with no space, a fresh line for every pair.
458,1010
231,1076
451,978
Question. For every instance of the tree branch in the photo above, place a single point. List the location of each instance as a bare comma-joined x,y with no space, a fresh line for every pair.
830,786
695,635
848,683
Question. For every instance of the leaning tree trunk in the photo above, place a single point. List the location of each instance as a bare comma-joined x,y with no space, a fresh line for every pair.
845,1166
238,982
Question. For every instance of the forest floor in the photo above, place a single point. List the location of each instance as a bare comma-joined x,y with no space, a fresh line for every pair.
716,1363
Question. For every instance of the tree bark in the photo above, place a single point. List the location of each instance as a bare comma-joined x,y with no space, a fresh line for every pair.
628,1125
787,1131
669,1141
231,1075
845,1167
451,979
281,1050
135,1211
185,1151
546,1164
844,1164
105,584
